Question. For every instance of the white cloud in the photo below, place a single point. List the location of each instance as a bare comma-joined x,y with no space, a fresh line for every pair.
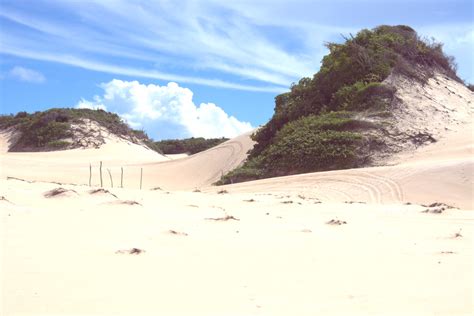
92,105
25,74
147,105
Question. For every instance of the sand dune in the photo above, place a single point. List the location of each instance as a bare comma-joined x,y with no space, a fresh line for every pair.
389,240
441,172
330,243
72,166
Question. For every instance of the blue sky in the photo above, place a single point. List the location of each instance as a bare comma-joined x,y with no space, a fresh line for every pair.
192,68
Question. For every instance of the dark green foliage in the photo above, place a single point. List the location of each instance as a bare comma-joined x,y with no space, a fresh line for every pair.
251,170
40,129
351,75
305,150
362,96
189,145
153,146
58,144
316,142
48,128
313,143
301,136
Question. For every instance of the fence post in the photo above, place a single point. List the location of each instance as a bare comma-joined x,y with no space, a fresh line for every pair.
121,177
90,173
141,176
100,171
110,175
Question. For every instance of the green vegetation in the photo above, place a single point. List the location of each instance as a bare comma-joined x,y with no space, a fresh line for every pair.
48,129
51,129
58,144
189,145
315,142
314,126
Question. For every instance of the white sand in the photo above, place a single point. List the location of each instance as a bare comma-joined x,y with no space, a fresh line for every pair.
72,166
59,254
67,255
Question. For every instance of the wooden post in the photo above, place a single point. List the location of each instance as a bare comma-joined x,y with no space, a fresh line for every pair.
110,175
121,177
90,173
141,176
100,171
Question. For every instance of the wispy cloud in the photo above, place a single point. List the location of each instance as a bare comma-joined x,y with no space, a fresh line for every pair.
27,75
248,45
135,72
209,36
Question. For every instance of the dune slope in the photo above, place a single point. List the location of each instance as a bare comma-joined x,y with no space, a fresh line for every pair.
72,166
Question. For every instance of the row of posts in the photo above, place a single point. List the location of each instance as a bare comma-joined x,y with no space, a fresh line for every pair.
110,176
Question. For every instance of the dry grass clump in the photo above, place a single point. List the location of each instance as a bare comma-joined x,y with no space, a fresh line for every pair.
336,222
225,218
58,192
132,251
101,191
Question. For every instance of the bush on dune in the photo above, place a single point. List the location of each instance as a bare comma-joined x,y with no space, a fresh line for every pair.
188,146
350,80
51,127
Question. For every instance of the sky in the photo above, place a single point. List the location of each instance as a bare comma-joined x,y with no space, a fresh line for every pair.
193,68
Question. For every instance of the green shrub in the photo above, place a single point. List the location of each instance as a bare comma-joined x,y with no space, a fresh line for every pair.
41,133
189,145
42,128
351,75
58,144
251,170
311,144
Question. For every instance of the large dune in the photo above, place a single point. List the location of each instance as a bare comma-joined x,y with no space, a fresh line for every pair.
441,172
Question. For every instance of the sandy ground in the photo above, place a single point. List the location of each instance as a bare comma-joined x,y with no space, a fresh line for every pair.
392,240
175,172
276,254
441,172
